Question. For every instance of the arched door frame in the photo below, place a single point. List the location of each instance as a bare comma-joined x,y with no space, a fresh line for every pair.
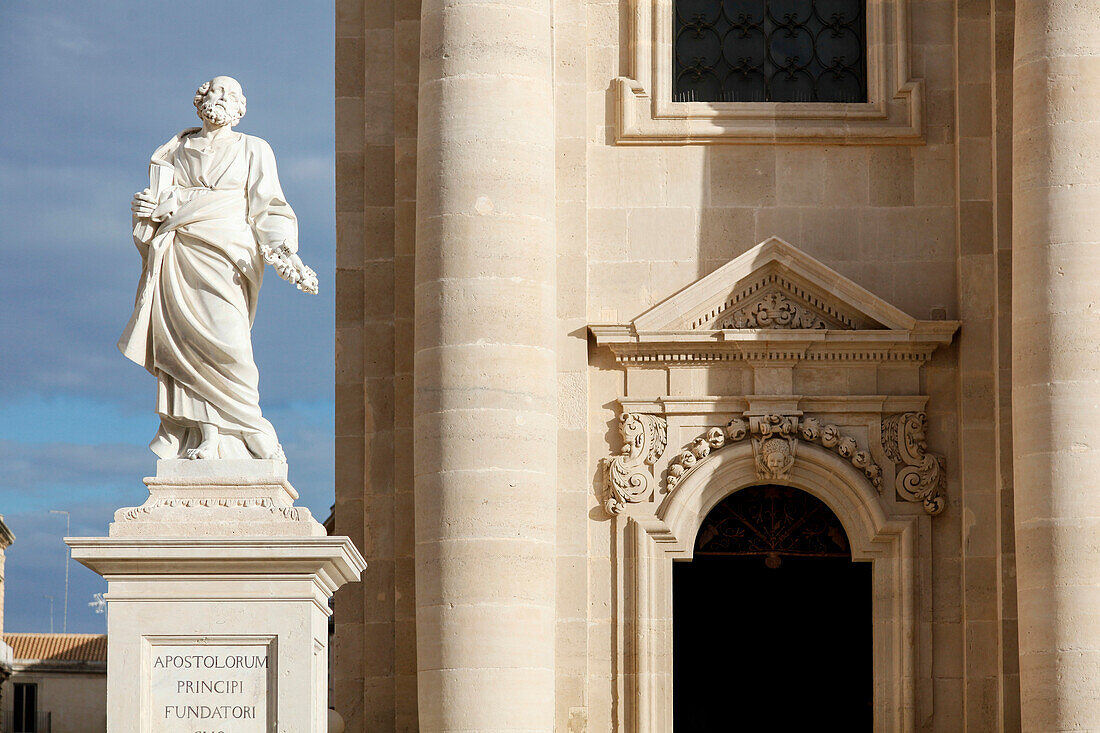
889,543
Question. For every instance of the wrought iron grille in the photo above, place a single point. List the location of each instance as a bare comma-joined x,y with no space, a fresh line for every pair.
770,51
772,522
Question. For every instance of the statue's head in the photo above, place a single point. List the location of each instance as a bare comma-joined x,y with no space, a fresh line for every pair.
220,101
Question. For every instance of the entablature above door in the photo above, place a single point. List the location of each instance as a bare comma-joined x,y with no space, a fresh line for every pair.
774,338
774,303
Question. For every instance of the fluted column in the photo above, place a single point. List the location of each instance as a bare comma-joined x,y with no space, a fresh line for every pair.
484,375
1056,359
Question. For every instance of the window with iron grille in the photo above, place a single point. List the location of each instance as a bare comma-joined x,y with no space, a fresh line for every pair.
25,719
770,51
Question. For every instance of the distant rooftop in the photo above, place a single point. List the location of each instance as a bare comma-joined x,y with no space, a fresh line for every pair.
59,647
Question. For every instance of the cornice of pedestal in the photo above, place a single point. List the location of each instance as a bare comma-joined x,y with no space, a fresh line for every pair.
329,561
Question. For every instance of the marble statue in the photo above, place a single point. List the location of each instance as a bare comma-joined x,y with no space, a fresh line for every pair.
213,214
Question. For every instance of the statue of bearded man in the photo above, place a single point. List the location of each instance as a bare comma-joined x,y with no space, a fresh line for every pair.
213,214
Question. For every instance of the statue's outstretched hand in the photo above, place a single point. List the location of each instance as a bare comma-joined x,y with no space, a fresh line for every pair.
291,268
143,204
306,278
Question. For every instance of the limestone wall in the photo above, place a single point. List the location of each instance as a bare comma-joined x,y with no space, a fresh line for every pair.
2,590
376,88
924,226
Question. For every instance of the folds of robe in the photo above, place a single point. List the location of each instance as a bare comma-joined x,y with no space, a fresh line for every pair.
201,276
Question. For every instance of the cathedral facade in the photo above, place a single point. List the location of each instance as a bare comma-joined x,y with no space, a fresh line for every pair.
709,362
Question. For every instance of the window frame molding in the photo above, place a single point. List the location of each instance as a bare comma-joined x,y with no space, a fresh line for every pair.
646,113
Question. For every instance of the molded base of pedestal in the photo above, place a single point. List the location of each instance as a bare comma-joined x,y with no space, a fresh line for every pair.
218,498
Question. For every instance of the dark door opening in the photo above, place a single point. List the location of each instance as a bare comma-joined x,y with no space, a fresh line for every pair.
772,620
25,718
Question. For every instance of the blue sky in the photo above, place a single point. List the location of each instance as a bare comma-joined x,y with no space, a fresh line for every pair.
91,89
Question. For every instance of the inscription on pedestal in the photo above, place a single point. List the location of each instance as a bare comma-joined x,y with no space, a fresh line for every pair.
209,688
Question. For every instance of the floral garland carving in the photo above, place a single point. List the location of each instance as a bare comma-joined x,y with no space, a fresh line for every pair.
923,477
629,475
776,311
775,439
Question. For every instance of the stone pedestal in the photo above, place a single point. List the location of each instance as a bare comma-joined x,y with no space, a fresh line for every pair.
218,590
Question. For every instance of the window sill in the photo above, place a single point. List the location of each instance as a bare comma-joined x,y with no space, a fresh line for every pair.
642,120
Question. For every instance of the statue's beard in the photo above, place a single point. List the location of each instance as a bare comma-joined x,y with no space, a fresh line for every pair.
217,114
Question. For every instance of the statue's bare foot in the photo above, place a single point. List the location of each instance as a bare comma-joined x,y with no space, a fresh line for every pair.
264,446
208,448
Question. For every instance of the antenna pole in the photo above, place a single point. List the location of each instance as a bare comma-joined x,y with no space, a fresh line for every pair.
68,552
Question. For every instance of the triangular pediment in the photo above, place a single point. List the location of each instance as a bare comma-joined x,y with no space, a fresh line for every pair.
774,285
773,302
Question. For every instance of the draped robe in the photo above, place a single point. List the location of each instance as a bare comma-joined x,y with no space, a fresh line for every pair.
201,275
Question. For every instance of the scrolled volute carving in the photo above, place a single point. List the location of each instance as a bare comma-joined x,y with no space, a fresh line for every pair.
775,441
767,426
921,476
629,475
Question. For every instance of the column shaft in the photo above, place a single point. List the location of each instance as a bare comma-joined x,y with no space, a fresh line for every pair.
1056,360
485,384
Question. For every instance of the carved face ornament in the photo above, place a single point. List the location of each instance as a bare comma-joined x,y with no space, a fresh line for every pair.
776,453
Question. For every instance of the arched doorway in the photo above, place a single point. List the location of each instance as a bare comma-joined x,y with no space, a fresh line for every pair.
772,620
